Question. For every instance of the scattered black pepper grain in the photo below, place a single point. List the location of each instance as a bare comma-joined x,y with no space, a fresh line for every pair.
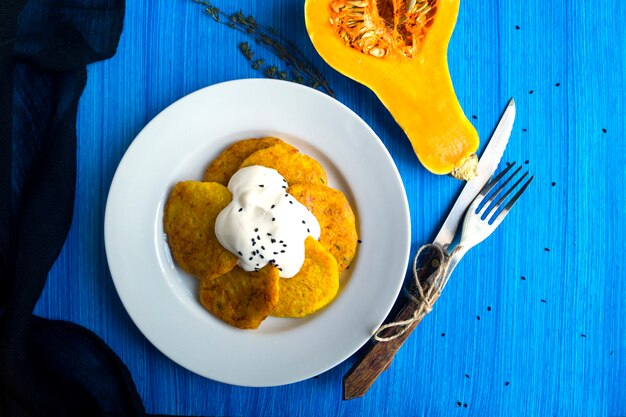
474,117
517,27
523,278
546,249
531,91
488,308
553,183
506,384
604,130
583,335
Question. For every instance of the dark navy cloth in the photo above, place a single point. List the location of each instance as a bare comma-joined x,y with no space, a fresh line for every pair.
48,367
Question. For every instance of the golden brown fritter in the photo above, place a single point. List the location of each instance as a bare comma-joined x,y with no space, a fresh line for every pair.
228,162
189,222
334,214
313,287
294,166
242,299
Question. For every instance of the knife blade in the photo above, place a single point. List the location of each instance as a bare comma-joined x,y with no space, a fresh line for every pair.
379,356
486,166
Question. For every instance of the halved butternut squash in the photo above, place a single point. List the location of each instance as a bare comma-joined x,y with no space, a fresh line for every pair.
398,48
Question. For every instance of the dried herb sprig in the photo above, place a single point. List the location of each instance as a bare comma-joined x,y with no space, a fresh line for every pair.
300,69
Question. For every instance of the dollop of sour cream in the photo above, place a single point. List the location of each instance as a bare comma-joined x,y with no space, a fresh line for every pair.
264,223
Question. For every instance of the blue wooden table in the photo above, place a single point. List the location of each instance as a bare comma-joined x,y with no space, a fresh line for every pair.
533,322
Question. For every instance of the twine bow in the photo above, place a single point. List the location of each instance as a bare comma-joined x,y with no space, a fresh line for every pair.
423,293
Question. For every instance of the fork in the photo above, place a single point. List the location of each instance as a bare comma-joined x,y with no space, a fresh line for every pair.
483,216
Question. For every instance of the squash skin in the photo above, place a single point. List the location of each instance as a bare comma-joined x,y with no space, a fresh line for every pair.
418,92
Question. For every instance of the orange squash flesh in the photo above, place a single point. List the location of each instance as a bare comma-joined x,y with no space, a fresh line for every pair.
416,89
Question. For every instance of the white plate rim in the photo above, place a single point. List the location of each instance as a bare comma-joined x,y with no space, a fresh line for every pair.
277,355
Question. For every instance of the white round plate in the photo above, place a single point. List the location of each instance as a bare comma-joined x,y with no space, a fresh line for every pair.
162,300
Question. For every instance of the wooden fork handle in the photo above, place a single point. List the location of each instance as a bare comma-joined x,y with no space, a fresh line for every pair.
379,355
377,358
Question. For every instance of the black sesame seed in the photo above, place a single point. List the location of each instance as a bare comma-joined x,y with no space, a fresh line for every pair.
280,269
239,253
273,240
546,249
253,243
273,219
464,405
531,91
604,130
443,335
290,202
280,241
526,162
286,195
275,253
256,229
557,84
241,208
523,278
359,241
517,27
261,185
257,264
308,230
284,186
583,335
250,258
261,256
256,269
611,353
263,247
466,376
258,237
477,317
543,301
506,384
284,180
488,308
524,130
282,251
284,245
303,222
269,234
474,117
273,205
458,403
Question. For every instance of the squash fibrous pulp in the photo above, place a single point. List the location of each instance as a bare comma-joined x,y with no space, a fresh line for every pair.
398,49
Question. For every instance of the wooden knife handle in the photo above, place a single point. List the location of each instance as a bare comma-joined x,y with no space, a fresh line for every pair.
380,354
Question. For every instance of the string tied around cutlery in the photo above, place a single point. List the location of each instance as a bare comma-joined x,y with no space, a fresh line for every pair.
423,293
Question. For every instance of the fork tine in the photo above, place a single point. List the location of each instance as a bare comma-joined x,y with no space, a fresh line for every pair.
513,200
486,206
487,187
495,206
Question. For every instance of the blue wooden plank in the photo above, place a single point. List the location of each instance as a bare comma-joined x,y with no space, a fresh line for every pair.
564,356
